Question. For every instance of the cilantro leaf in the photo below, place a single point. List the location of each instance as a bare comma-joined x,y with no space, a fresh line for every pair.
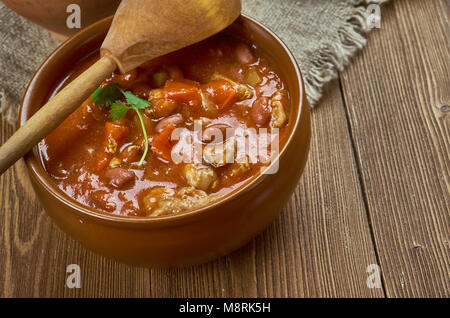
108,96
136,101
118,110
105,96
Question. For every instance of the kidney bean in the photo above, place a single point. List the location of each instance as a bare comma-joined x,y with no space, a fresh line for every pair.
260,112
244,53
211,131
174,120
118,177
130,154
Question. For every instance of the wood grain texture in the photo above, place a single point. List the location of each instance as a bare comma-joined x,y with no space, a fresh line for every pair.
320,246
375,190
395,94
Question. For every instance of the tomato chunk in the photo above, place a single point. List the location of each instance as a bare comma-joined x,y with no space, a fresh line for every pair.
222,93
162,144
113,135
183,91
70,130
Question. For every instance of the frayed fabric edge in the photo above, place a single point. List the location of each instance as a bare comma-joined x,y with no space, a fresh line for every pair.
335,56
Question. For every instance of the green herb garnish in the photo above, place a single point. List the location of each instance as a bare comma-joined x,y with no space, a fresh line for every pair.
108,96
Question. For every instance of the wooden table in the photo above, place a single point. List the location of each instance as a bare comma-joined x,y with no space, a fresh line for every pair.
375,191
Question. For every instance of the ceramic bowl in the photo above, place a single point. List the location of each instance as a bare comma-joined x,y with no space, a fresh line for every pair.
191,237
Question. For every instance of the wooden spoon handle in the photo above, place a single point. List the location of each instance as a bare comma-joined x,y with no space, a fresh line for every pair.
54,112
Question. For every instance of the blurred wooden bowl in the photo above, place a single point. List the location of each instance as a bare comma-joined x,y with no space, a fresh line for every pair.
52,14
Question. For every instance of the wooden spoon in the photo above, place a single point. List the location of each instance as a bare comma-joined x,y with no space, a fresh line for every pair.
141,31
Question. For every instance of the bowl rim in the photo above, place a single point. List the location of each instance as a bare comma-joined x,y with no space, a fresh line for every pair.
37,171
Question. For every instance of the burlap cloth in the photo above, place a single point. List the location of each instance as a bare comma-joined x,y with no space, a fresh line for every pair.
322,34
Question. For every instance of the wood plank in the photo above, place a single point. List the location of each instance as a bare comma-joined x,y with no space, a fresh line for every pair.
395,93
322,245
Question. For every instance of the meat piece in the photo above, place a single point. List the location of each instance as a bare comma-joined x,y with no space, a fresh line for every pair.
219,154
155,196
202,178
261,112
118,177
243,91
192,194
191,197
163,201
174,120
240,166
168,206
278,113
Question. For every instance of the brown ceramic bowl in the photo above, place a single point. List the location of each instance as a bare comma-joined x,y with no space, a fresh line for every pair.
195,236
